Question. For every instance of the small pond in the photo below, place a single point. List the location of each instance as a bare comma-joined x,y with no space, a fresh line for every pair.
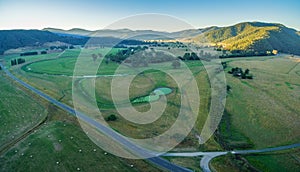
154,95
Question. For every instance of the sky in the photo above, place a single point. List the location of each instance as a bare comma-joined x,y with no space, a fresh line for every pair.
93,15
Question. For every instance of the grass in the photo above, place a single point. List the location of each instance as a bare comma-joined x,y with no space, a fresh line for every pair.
266,103
263,112
55,145
144,85
66,62
229,136
59,87
188,162
280,161
62,146
276,161
18,111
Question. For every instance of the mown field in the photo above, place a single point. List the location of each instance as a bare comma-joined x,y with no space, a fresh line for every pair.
18,111
61,145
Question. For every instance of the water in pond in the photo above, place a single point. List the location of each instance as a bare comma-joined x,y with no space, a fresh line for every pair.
154,95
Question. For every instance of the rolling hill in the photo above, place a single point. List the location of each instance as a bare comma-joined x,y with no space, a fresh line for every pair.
255,36
11,39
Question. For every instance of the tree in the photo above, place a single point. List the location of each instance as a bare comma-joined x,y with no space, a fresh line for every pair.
187,56
228,87
20,60
243,75
111,117
106,60
247,71
13,62
194,56
224,64
43,52
176,64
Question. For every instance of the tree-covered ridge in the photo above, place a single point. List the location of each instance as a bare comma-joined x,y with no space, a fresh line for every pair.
247,38
254,36
10,39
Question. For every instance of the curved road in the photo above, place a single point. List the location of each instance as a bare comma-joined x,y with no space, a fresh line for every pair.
156,160
208,156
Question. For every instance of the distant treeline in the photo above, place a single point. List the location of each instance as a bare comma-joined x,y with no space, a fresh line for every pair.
62,47
247,53
195,56
32,53
17,61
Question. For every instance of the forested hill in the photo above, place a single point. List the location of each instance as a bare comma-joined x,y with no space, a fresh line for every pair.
254,36
248,36
19,38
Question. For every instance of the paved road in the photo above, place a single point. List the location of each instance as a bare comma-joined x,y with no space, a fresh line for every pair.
158,161
208,156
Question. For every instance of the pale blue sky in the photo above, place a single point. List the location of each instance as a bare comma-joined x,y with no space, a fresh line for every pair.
91,14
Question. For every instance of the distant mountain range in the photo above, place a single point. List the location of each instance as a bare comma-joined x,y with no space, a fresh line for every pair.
254,36
131,34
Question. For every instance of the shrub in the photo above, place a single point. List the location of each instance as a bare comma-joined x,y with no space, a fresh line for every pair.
111,117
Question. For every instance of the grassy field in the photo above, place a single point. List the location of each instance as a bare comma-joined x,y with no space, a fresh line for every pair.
275,161
280,161
65,63
188,162
18,111
63,146
262,112
268,103
60,88
55,146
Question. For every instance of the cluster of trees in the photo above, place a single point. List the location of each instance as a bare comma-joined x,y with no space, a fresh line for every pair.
238,72
121,55
176,44
111,117
138,56
33,53
29,53
144,57
194,56
245,53
43,52
17,61
224,64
